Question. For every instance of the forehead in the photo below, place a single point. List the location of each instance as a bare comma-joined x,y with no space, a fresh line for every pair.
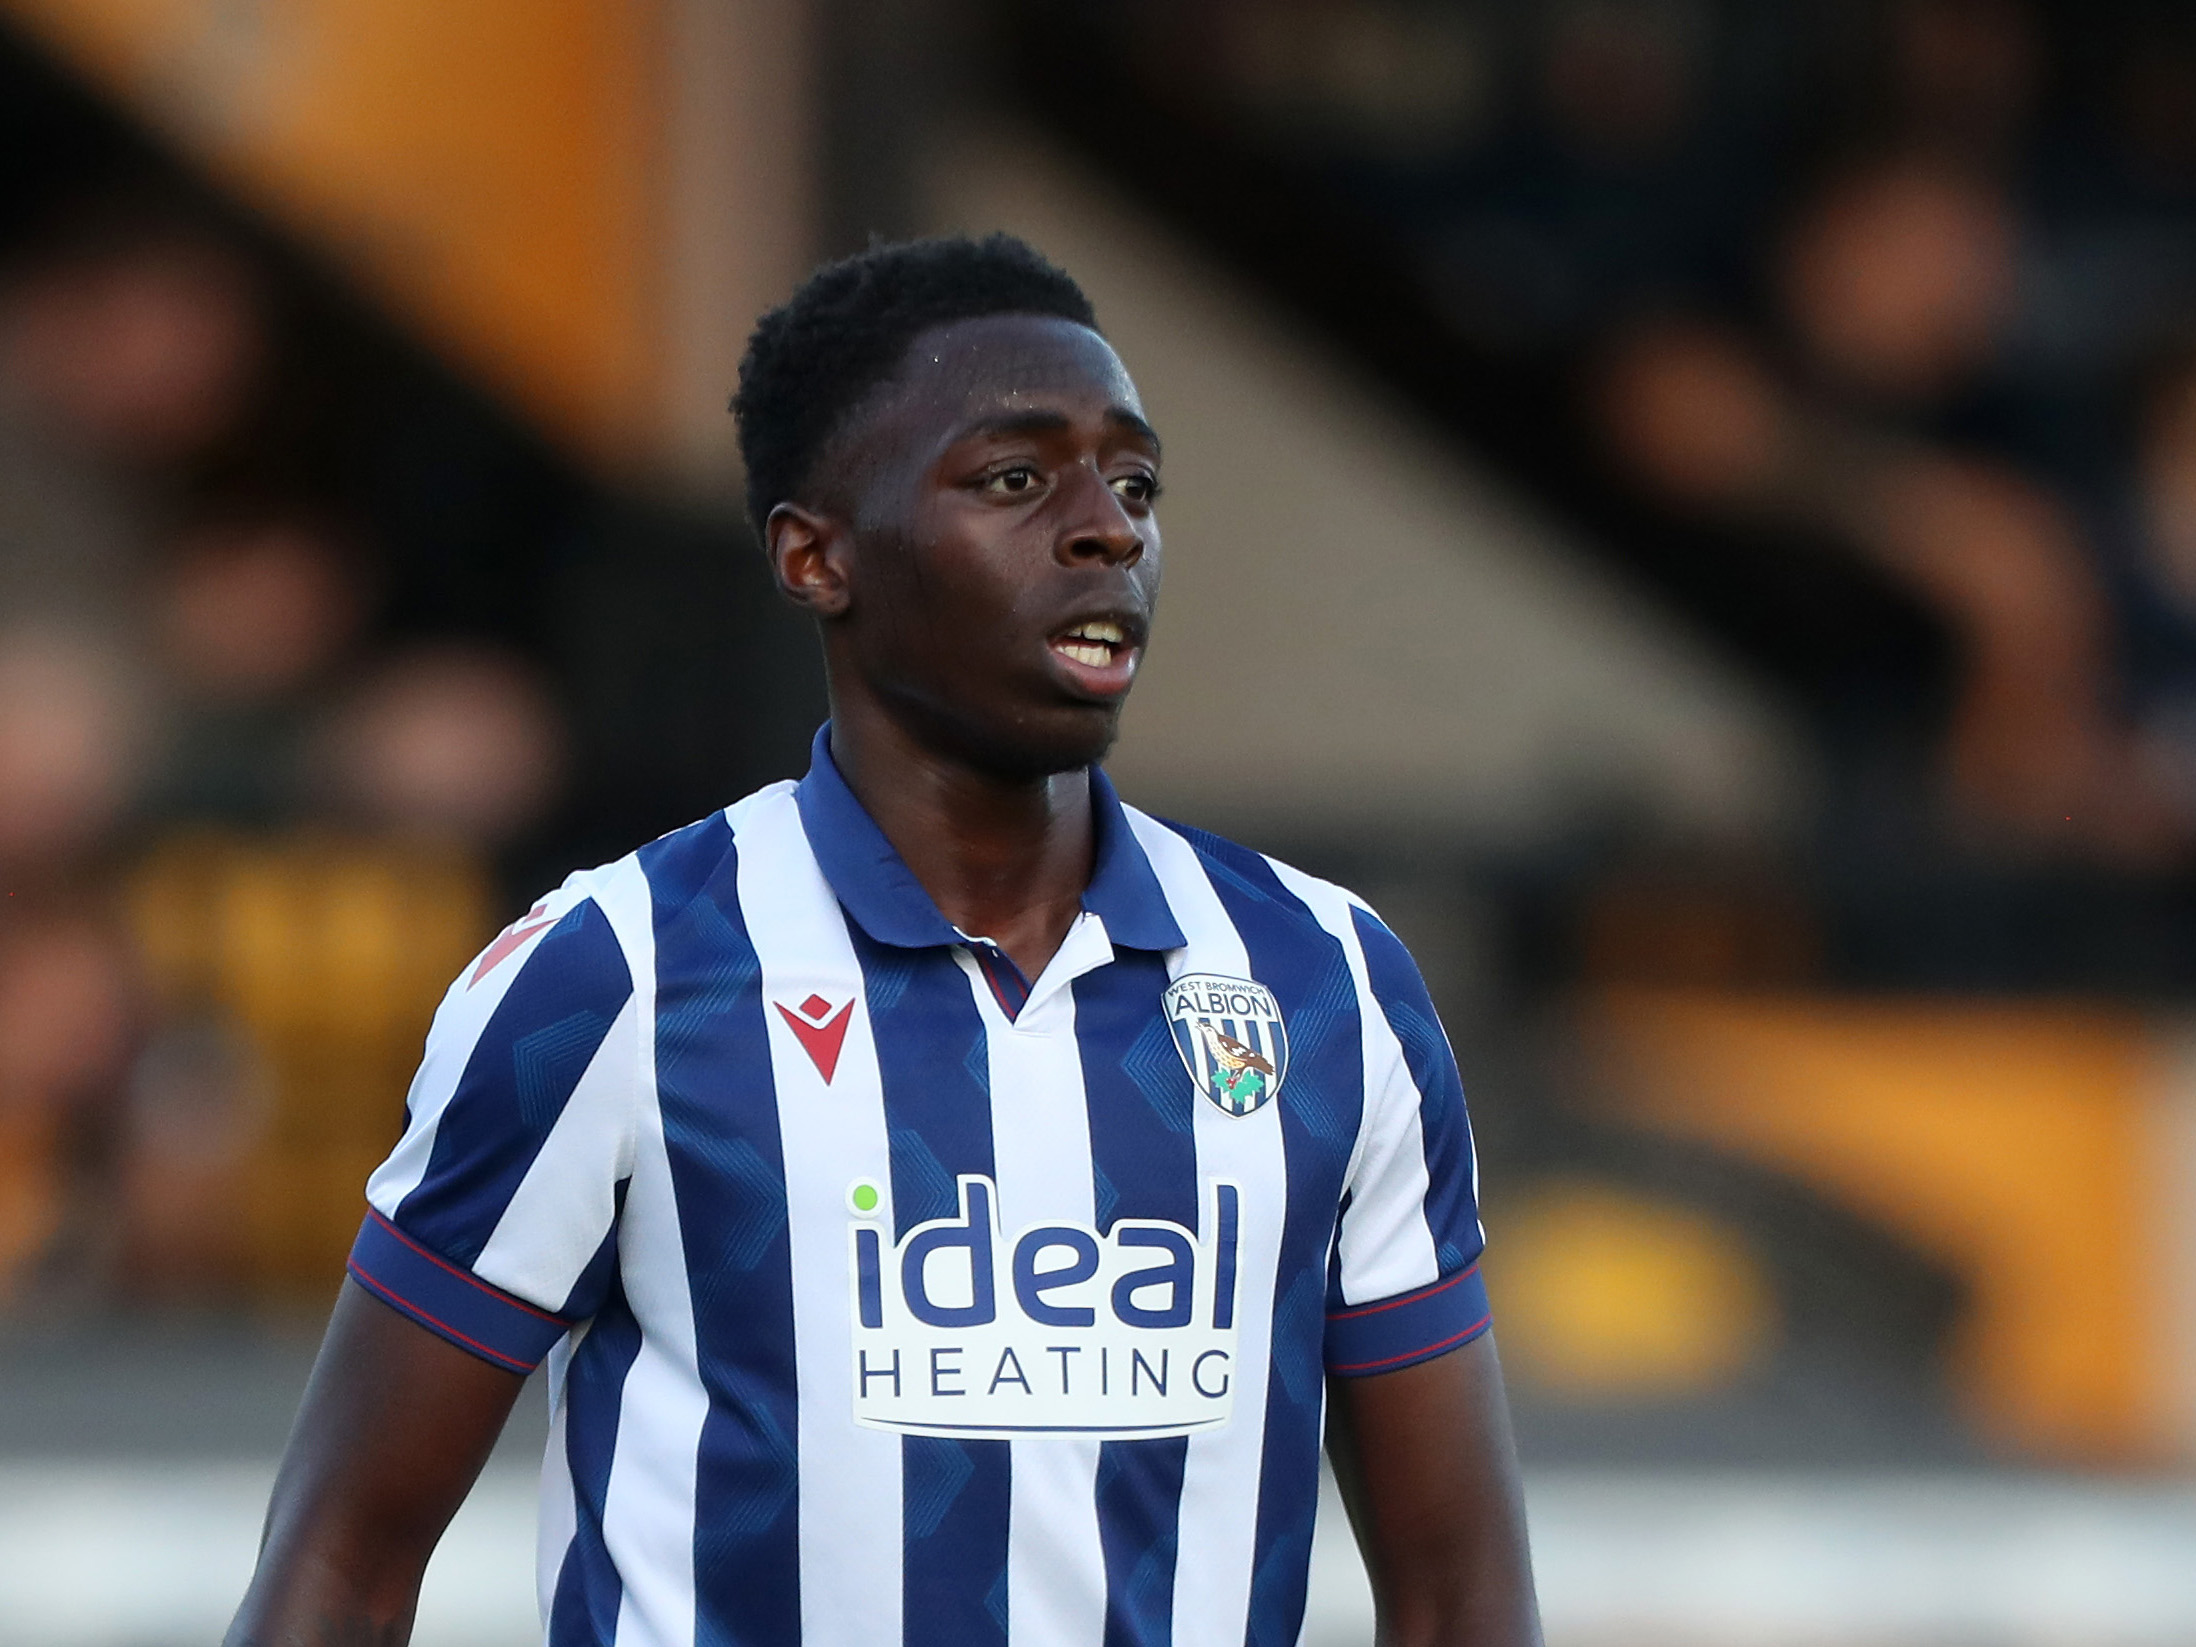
971,368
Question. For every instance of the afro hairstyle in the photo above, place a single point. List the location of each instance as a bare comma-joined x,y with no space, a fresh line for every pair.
812,360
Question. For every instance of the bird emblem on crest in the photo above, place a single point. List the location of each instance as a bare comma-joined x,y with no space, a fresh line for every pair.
1230,1034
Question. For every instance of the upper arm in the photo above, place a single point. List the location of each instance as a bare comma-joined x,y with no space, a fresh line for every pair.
394,1427
1404,1282
1418,1426
1429,1474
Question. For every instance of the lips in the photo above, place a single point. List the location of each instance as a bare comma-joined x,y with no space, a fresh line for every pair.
1100,655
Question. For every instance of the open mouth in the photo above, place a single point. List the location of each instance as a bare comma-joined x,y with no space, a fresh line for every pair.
1099,654
1094,645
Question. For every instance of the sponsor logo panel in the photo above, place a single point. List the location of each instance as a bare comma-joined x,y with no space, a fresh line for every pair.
963,1330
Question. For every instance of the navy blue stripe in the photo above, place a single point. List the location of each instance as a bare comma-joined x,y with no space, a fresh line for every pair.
1320,1103
1144,1165
522,1070
1400,1332
448,1302
1444,1124
935,1066
1139,1491
720,1126
583,1608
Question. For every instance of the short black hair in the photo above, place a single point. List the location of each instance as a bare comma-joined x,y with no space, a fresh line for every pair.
846,330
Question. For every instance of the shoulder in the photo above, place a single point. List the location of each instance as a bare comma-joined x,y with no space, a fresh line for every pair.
1299,903
604,919
677,869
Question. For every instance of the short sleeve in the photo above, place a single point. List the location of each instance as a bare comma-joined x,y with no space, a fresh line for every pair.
1404,1282
492,1222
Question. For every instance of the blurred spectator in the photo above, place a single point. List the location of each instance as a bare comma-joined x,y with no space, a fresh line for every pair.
70,726
1694,410
256,610
253,620
142,337
1898,283
1867,276
454,743
128,348
196,1107
68,1027
200,720
2035,752
68,1018
1899,278
2035,743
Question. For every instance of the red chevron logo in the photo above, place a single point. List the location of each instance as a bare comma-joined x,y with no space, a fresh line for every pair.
508,940
820,1027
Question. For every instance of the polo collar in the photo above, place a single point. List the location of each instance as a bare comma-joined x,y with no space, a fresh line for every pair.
877,888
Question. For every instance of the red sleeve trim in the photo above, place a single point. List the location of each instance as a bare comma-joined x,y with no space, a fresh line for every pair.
1426,1353
442,1297
390,1296
471,1280
1414,1326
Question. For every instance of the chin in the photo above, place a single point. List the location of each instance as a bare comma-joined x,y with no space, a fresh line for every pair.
1041,745
1019,754
1010,735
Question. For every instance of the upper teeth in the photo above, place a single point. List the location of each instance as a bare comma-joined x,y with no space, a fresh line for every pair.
1111,633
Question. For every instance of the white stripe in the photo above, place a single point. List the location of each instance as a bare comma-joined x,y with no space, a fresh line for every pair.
1219,1510
832,1135
1040,1145
563,1207
556,1516
458,1025
648,1508
1387,1246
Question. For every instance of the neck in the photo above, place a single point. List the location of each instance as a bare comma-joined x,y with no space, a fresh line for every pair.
1003,858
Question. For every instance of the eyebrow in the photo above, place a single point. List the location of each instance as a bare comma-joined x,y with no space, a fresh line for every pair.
1049,423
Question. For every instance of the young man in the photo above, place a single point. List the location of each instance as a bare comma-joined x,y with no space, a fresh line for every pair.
947,1199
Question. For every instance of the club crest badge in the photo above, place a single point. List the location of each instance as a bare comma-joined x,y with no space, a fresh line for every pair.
1231,1038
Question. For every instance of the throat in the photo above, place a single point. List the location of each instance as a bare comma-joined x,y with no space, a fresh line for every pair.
1010,860
1024,942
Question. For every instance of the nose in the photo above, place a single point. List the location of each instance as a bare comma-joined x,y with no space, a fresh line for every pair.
1098,526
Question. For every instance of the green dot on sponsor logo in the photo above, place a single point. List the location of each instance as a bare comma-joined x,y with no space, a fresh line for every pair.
865,1197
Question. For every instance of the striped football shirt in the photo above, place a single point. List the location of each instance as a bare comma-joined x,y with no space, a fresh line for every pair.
889,1296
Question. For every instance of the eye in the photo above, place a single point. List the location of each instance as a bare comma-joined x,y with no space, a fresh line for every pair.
1014,482
1138,487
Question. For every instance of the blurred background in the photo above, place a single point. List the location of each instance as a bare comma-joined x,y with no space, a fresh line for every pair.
1688,505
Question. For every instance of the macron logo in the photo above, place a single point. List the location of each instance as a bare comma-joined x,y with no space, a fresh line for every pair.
508,940
820,1027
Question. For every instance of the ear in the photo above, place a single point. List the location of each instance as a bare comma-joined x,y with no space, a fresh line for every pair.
808,556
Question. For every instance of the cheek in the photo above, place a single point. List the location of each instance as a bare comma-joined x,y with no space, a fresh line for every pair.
943,601
972,566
